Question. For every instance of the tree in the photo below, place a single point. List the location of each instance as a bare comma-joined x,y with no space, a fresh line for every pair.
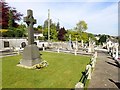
58,26
102,39
84,36
4,12
46,23
10,21
53,32
90,35
45,34
21,31
39,27
74,35
61,34
81,26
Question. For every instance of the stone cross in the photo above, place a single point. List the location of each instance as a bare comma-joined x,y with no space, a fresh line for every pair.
29,19
31,54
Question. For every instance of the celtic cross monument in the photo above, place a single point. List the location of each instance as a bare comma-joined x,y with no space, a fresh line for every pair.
31,55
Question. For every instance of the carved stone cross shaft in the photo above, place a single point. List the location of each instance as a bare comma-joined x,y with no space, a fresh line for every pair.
29,19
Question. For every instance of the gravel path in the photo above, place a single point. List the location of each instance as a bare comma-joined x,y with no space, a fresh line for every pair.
105,74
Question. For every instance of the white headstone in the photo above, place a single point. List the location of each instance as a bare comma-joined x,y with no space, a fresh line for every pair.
89,49
91,46
43,48
76,47
79,86
93,62
116,47
88,67
113,51
95,55
58,50
75,52
82,43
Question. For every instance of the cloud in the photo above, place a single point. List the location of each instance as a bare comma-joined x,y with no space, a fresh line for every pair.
100,17
106,21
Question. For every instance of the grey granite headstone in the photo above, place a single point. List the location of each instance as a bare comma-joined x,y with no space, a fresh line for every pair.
70,43
31,55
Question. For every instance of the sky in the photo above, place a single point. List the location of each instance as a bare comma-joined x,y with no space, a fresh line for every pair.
101,16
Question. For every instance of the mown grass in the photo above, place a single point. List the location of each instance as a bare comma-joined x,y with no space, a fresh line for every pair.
0,73
64,71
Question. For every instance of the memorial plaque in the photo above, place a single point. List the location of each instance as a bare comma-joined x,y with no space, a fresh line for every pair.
6,44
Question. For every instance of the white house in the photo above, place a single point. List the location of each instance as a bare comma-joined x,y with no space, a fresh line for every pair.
37,35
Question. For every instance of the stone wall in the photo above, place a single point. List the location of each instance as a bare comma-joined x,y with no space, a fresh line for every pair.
12,42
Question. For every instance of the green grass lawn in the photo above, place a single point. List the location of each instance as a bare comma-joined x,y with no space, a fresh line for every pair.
64,71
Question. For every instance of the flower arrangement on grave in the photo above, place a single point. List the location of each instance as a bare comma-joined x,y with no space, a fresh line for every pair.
41,65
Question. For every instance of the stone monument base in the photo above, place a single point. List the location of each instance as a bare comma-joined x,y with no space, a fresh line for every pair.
31,56
27,67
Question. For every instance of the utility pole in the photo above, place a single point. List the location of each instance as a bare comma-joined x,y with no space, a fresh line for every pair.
42,33
48,25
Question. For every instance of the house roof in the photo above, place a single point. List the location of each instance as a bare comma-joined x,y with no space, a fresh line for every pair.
114,40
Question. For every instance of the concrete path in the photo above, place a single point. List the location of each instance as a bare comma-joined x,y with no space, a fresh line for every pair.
105,74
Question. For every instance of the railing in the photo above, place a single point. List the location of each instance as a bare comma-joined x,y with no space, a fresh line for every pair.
86,75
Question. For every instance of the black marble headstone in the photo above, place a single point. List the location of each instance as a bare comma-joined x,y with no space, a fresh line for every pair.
23,44
6,44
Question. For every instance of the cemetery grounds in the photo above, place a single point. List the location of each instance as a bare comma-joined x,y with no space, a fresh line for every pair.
64,71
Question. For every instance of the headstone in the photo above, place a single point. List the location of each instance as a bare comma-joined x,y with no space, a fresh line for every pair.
76,47
23,44
116,54
43,47
91,46
35,43
31,55
111,48
75,52
70,43
18,51
58,50
108,46
88,68
93,60
6,44
113,51
95,55
82,43
79,86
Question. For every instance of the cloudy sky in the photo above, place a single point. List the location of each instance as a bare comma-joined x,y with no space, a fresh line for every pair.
100,15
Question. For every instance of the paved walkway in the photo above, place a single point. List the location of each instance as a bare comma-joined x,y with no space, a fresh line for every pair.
105,74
